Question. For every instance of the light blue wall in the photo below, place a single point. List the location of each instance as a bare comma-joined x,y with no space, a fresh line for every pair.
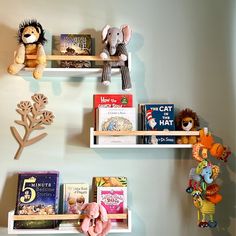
183,52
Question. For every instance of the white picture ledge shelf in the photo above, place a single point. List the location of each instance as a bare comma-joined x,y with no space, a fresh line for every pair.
68,72
74,72
117,227
94,133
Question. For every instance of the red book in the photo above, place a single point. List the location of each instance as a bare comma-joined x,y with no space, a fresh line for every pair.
111,100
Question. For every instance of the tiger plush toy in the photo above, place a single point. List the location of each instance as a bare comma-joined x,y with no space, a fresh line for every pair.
31,40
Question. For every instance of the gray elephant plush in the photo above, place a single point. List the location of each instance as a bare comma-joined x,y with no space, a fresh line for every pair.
115,40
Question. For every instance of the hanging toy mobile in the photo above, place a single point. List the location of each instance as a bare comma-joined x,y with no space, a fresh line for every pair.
201,186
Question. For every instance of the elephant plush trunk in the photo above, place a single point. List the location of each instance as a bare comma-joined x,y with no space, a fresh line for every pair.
208,179
112,49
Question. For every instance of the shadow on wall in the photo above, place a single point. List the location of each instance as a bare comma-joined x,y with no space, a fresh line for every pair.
137,67
81,138
8,44
8,198
214,70
225,210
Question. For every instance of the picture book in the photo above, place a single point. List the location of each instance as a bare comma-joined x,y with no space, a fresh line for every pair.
74,196
114,199
37,194
108,181
111,101
158,117
116,119
74,45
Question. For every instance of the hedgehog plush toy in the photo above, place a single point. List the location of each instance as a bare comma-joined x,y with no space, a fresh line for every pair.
31,40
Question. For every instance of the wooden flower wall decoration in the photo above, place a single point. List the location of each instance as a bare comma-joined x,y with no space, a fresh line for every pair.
33,117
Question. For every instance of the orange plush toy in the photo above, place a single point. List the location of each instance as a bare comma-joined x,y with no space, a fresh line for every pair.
217,150
187,120
31,40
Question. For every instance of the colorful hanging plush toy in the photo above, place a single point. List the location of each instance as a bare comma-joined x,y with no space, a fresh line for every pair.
205,208
187,120
115,40
205,193
31,40
207,145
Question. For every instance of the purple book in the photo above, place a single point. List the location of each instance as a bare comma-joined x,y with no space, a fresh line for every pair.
37,194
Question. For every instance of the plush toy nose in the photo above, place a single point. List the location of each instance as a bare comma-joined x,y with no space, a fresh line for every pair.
26,35
185,123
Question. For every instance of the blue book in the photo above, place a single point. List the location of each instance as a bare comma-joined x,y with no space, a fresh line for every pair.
158,117
37,194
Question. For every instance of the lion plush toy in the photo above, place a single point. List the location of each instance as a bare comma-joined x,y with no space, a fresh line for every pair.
187,120
31,40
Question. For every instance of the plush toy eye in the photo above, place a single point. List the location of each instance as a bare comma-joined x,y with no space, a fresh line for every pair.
118,33
109,33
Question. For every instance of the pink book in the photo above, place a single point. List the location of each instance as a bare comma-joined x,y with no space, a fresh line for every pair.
114,199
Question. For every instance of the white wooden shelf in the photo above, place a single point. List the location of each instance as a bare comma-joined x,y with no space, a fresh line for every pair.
73,72
117,227
68,72
141,133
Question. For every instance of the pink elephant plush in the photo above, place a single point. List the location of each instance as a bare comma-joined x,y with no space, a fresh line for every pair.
96,222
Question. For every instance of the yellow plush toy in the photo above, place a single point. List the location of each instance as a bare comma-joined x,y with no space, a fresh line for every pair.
187,120
31,40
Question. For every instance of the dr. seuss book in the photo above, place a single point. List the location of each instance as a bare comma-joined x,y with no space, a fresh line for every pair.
116,119
114,199
111,101
74,196
74,45
158,117
108,181
37,194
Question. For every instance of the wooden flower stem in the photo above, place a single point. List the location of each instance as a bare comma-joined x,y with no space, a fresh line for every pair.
29,124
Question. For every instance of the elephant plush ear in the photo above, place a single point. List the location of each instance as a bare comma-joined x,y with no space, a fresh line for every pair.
104,33
127,32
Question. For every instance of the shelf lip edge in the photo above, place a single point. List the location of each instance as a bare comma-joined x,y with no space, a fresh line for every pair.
150,146
124,228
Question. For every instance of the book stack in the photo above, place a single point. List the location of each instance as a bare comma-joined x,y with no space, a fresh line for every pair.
156,117
74,196
111,192
37,194
114,112
116,119
111,101
74,45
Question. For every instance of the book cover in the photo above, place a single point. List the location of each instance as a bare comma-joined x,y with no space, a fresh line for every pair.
37,194
116,119
108,181
158,117
74,45
74,196
111,101
114,199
